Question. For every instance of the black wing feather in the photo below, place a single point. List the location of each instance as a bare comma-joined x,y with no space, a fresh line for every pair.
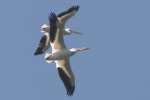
73,8
41,47
53,24
67,82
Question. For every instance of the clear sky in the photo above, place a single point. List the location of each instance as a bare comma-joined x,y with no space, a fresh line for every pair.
116,68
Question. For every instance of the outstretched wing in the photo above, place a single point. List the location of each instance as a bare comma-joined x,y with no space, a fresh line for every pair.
64,16
42,46
66,75
53,26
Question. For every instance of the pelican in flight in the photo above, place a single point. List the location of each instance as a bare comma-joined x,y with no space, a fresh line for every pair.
57,24
51,57
44,42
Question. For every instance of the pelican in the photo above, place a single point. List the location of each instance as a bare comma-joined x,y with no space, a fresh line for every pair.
45,28
44,43
51,57
57,24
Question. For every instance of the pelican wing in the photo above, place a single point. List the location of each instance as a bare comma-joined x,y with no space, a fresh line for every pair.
64,16
42,46
56,32
66,75
53,26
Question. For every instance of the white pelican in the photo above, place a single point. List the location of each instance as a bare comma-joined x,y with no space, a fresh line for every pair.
57,43
44,43
51,57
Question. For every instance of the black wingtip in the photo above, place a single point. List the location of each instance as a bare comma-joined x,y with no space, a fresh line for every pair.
67,82
71,91
53,28
52,17
75,7
38,52
71,9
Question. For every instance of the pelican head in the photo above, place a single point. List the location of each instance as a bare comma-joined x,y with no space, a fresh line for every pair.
69,31
45,28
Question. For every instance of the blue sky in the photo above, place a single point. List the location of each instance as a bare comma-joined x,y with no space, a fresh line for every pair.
116,68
